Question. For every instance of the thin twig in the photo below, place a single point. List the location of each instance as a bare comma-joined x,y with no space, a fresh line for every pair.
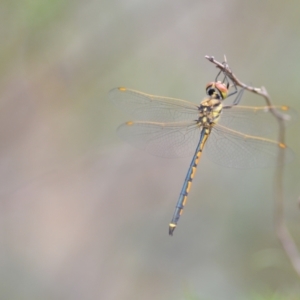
224,67
282,232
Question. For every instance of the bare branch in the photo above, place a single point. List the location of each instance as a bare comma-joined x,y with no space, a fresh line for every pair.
282,232
224,67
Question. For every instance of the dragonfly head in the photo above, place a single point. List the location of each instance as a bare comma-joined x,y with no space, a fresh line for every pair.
217,90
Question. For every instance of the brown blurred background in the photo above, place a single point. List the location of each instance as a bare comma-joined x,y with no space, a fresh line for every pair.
83,214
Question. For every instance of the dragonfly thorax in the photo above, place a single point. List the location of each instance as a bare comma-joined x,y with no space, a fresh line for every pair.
209,112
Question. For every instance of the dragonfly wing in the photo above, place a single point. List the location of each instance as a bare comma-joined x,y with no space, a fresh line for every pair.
145,107
162,139
254,120
234,149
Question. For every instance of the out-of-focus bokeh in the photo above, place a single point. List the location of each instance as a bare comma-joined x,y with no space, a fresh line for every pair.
83,214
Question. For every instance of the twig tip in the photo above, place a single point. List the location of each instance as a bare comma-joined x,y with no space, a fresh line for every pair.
210,58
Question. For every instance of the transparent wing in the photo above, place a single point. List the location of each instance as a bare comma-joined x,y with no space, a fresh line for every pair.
256,121
162,139
145,107
170,130
234,149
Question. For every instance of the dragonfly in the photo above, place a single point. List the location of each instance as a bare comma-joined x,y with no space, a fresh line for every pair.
232,135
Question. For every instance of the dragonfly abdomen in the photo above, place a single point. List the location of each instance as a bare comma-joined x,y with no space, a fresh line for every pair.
188,181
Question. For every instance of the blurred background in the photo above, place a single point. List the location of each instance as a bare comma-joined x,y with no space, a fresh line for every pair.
83,214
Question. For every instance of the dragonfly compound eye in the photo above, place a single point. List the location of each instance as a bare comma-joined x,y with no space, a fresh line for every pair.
222,88
213,91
